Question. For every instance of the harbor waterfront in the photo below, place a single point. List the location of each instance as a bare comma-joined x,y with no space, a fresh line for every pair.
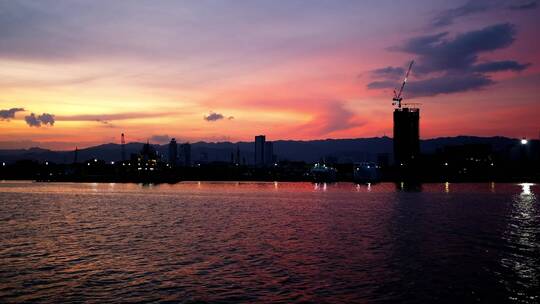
245,242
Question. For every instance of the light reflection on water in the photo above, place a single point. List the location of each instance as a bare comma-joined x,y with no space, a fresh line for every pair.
259,242
521,235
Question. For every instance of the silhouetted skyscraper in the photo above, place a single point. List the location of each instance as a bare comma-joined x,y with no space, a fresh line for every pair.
406,135
259,149
173,152
185,151
268,153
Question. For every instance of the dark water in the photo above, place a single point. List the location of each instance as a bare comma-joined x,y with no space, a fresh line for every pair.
269,242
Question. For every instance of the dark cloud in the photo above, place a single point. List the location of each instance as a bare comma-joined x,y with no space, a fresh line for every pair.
447,64
449,83
46,119
448,17
473,7
230,117
10,113
524,6
32,120
160,139
389,72
438,53
382,84
213,116
36,121
497,66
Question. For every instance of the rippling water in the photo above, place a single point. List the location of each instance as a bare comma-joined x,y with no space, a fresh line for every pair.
263,242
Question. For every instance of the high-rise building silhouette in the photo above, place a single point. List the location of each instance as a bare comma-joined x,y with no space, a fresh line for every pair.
264,151
173,152
268,153
259,149
406,135
185,153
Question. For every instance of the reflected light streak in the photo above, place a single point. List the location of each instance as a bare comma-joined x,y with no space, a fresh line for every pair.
526,188
520,233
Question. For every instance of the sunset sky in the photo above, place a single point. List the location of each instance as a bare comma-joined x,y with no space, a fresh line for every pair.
79,73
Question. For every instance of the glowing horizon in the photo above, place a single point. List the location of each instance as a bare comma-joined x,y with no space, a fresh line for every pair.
296,70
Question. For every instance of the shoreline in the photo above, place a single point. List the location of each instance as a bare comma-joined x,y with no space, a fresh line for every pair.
147,181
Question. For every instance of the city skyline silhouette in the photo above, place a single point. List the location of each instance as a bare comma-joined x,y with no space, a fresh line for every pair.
265,151
78,74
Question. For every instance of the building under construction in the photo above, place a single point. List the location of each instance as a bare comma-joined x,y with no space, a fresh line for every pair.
406,135
406,128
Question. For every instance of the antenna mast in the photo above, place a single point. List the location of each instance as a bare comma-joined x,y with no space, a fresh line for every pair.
123,148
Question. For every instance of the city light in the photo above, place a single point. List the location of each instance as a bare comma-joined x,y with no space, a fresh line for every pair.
524,141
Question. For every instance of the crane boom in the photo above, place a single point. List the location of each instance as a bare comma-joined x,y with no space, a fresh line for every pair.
397,96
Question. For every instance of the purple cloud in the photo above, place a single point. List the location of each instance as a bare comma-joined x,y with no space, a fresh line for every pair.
36,121
10,113
449,65
214,116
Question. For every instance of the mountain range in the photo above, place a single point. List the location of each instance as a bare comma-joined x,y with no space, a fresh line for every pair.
341,150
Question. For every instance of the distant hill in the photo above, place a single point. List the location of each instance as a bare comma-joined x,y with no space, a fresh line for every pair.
342,150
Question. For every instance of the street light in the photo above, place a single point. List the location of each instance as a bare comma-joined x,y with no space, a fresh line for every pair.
524,141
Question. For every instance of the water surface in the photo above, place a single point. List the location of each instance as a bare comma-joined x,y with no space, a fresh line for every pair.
263,242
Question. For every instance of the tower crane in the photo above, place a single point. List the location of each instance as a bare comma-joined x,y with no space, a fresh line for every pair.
397,95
